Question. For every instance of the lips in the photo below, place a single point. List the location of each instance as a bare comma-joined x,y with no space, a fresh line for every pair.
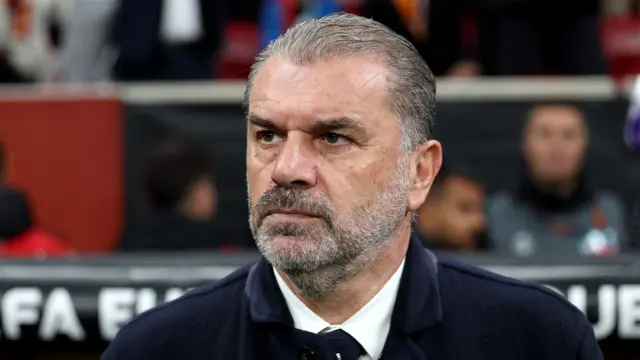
291,212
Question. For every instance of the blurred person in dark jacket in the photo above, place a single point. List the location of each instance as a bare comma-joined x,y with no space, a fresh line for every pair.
555,210
453,217
19,236
87,51
434,28
168,39
181,192
539,37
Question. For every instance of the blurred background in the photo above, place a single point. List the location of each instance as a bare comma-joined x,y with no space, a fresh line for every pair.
122,141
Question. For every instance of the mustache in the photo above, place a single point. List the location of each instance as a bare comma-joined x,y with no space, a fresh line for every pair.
279,198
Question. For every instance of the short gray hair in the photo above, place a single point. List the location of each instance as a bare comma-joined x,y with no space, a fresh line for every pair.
411,84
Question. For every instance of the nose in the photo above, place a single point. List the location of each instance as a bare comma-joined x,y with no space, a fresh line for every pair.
295,166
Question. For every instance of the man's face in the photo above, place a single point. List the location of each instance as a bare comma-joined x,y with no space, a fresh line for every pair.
555,143
324,182
462,212
201,202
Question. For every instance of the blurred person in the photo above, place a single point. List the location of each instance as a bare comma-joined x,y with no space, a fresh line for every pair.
8,73
453,217
556,211
19,236
168,39
181,193
27,38
433,26
539,37
276,16
340,155
88,52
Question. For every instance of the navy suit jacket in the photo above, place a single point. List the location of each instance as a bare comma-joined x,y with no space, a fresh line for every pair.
142,55
445,310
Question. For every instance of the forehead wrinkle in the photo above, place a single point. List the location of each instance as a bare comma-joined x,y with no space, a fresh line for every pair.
364,93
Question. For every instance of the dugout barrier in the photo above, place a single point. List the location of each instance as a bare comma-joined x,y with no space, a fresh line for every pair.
81,303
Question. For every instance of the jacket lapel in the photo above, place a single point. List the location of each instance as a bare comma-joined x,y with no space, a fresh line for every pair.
268,327
400,346
417,312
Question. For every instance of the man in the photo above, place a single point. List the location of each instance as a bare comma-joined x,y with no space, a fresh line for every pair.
167,39
182,195
277,16
26,37
540,37
555,211
87,52
339,157
19,236
453,216
433,26
15,216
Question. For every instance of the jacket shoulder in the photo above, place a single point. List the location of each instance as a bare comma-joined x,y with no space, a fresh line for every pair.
207,312
610,203
502,287
500,202
525,314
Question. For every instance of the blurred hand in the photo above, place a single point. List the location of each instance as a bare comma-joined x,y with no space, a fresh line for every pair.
464,69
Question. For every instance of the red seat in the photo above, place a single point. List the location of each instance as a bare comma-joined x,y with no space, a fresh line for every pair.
621,44
240,48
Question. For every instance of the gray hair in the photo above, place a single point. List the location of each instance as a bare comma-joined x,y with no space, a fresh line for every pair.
411,84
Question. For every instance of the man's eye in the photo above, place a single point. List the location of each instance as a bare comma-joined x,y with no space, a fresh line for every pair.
267,137
333,138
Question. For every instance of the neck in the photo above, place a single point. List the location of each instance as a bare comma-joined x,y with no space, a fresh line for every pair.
351,294
561,189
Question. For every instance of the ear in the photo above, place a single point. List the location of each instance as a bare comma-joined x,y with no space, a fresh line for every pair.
425,164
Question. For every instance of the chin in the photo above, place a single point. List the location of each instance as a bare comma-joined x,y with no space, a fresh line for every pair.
294,251
290,254
293,244
557,175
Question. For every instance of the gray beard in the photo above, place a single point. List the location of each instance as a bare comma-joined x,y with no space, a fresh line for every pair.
317,285
340,251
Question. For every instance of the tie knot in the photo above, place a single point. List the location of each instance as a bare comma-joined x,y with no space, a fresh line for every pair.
343,344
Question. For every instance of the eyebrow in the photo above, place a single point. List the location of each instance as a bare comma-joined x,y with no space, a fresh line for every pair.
256,120
341,123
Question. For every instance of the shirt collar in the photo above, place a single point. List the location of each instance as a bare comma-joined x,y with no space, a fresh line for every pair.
417,305
369,326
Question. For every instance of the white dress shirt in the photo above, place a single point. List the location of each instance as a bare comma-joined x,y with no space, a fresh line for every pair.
181,21
369,326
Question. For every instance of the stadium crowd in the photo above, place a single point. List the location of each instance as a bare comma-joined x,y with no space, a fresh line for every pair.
136,40
551,208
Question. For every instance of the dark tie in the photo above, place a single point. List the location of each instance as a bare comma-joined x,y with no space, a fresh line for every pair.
342,343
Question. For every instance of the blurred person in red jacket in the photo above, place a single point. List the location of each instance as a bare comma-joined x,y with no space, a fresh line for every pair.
19,236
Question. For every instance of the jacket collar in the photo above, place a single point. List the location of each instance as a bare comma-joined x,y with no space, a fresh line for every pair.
417,306
582,195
